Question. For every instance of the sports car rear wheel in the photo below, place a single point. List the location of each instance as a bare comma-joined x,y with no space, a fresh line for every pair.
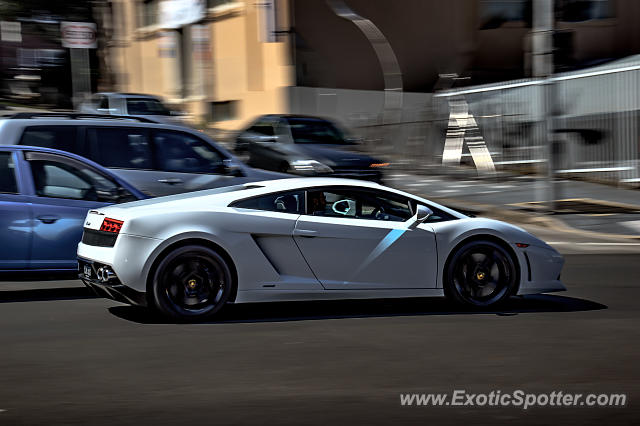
480,273
191,282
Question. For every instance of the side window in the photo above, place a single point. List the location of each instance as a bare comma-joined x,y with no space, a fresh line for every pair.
8,184
58,137
121,147
73,180
283,202
262,127
182,152
358,204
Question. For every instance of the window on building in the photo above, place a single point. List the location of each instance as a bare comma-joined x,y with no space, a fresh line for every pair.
495,13
224,110
148,13
216,3
583,10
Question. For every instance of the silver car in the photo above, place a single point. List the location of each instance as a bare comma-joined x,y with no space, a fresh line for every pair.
302,239
158,159
134,104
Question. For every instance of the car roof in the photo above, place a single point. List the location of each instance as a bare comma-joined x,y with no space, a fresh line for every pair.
126,121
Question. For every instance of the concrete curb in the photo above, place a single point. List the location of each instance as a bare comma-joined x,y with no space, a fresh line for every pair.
548,222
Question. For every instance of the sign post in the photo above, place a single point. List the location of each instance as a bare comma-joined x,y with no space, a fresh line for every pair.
79,37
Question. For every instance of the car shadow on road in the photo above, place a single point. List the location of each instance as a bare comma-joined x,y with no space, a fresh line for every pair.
322,310
43,294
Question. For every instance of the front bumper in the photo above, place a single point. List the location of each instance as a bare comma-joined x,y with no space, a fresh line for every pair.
112,289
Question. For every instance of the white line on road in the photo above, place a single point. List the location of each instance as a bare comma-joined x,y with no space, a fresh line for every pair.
448,190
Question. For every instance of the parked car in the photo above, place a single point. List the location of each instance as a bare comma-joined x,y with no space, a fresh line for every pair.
44,198
134,104
306,239
158,159
307,146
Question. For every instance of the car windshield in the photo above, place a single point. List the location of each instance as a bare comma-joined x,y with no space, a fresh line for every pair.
146,106
316,131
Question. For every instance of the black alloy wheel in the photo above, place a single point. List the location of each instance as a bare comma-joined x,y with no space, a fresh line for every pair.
481,273
191,283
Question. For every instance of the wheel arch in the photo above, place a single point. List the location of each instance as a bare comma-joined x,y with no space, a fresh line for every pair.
194,240
491,238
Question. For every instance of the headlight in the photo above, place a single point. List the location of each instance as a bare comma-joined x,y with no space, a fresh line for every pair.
306,166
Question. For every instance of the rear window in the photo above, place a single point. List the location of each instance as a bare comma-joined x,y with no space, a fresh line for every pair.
8,183
58,137
143,106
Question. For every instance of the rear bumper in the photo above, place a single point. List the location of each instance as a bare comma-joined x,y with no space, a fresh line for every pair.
112,289
119,292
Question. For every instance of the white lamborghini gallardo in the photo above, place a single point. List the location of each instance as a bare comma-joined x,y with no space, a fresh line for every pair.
305,238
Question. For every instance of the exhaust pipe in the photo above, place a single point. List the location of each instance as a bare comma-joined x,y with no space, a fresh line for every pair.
105,274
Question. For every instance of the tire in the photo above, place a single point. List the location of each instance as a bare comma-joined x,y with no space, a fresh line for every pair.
480,273
191,283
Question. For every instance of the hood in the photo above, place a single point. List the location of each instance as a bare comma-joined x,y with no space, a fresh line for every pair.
335,155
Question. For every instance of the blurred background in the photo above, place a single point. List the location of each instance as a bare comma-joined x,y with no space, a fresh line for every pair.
539,89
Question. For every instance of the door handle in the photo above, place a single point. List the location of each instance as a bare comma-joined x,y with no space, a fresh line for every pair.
306,233
48,218
171,181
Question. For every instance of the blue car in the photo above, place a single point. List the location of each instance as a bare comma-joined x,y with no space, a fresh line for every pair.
45,195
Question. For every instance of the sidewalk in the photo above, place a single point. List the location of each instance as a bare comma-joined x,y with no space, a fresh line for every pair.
591,209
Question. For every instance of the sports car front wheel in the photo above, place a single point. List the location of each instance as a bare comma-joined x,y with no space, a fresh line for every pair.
480,273
191,283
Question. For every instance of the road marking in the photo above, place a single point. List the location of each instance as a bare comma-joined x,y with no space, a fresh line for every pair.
487,192
448,190
2,411
501,186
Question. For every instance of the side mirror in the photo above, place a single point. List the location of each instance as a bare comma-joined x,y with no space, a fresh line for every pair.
232,169
423,213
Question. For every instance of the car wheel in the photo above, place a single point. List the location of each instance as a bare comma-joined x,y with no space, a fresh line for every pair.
191,283
480,273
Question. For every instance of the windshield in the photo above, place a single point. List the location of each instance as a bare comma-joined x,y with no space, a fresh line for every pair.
146,106
309,130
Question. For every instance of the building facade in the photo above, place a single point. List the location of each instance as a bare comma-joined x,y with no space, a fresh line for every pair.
222,61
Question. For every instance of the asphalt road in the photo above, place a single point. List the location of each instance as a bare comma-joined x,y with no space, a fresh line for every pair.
67,358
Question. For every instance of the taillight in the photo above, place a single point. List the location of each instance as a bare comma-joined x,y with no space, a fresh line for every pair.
111,225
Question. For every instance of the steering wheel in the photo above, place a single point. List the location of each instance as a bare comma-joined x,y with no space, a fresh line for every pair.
377,212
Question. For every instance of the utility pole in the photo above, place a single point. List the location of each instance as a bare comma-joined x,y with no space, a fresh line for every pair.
542,65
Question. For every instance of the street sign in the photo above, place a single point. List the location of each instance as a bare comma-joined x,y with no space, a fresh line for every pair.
79,35
10,31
